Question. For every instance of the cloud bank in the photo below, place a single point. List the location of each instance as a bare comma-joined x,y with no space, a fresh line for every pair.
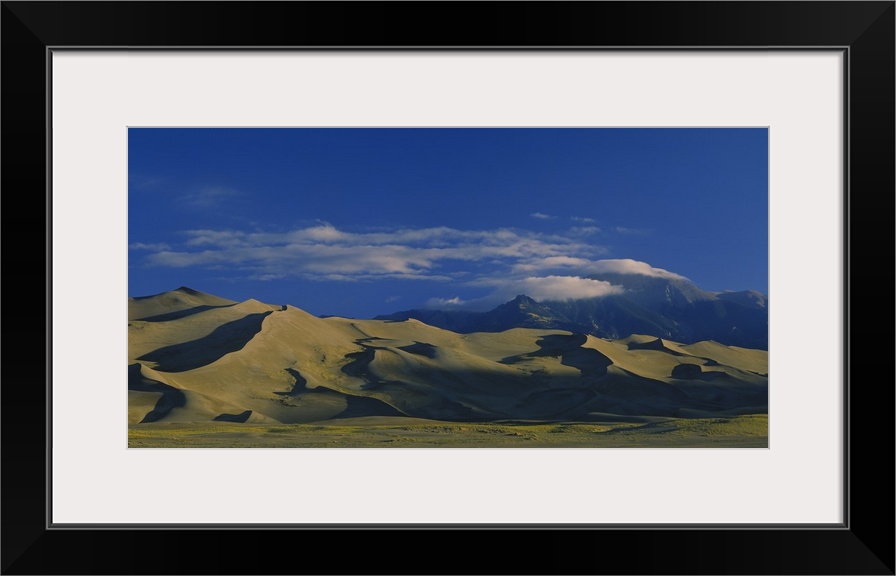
627,266
586,266
543,288
501,263
325,252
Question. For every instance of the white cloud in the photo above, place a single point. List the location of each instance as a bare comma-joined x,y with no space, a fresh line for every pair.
584,230
500,263
582,219
324,251
180,259
551,263
541,288
542,216
558,286
215,237
440,303
586,266
151,247
627,266
323,233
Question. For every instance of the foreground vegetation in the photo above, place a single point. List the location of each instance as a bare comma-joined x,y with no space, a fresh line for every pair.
748,431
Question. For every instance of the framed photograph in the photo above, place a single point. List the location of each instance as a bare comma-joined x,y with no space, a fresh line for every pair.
521,324
325,226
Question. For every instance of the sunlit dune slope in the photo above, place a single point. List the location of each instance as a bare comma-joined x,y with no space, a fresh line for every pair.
174,304
193,357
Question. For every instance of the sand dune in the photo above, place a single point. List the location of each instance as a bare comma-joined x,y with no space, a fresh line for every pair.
172,305
197,358
145,337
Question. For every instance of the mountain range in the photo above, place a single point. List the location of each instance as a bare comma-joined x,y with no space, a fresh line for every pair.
665,307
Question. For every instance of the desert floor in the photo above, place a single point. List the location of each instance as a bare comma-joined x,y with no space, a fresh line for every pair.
748,431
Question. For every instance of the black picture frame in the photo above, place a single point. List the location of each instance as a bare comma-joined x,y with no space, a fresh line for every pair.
864,544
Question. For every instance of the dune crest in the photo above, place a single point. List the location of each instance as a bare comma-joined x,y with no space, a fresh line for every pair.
173,304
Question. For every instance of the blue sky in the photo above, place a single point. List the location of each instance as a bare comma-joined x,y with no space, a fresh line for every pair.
360,222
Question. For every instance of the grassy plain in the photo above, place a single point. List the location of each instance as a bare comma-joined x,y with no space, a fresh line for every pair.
747,431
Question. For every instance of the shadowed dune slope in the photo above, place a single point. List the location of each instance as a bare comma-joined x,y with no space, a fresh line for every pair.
223,340
254,362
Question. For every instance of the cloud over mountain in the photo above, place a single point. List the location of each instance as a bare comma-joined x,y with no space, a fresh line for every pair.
602,266
628,266
563,288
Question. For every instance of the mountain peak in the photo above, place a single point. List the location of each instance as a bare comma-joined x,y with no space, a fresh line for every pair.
522,299
665,308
